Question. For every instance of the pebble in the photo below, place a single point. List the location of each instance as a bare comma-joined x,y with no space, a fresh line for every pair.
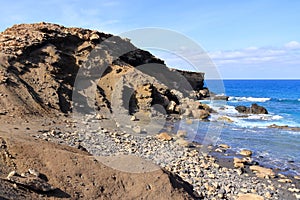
194,166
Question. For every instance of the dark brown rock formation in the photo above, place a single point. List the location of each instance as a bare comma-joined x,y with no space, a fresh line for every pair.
254,109
40,64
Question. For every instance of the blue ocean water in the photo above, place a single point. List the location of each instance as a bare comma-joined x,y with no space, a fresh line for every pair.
274,148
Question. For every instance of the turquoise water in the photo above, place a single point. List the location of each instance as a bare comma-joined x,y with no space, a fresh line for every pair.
272,147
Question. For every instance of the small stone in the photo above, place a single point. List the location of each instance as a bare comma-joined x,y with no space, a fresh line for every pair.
244,190
218,150
211,176
284,180
182,142
189,121
268,195
99,116
239,172
34,172
11,174
164,136
181,133
297,177
262,172
249,196
137,129
294,190
224,146
133,118
245,152
225,119
281,176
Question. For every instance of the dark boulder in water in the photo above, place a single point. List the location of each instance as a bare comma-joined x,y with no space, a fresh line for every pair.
254,109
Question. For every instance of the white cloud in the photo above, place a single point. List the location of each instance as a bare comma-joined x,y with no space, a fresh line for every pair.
292,45
254,55
251,62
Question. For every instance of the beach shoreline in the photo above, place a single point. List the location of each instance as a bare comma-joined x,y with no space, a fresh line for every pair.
207,170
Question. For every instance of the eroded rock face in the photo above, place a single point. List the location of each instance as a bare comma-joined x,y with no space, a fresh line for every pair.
40,63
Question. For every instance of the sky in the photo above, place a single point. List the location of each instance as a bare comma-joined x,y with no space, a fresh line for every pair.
255,39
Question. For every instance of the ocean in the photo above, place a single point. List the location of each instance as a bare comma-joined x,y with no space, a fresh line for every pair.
275,148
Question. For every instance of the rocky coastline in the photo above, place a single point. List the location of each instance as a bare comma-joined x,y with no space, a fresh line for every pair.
138,101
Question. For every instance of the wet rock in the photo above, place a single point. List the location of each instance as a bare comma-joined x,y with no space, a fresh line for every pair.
225,119
254,109
224,146
262,172
200,114
286,127
245,152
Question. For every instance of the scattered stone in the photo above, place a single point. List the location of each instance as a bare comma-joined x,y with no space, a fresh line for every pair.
31,182
268,195
171,106
34,172
218,150
262,172
297,177
137,129
133,118
245,152
224,146
200,114
296,190
238,163
182,142
164,136
285,180
181,133
189,121
11,174
99,116
249,196
225,119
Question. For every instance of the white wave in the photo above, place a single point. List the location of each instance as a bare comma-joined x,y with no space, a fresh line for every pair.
265,117
298,99
249,99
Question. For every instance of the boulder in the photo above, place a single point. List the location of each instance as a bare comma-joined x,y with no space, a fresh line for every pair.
254,109
242,109
200,114
262,172
245,152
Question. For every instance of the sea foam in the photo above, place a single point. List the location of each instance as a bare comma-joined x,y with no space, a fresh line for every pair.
249,99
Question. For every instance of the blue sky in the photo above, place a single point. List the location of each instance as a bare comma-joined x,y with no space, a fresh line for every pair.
245,39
